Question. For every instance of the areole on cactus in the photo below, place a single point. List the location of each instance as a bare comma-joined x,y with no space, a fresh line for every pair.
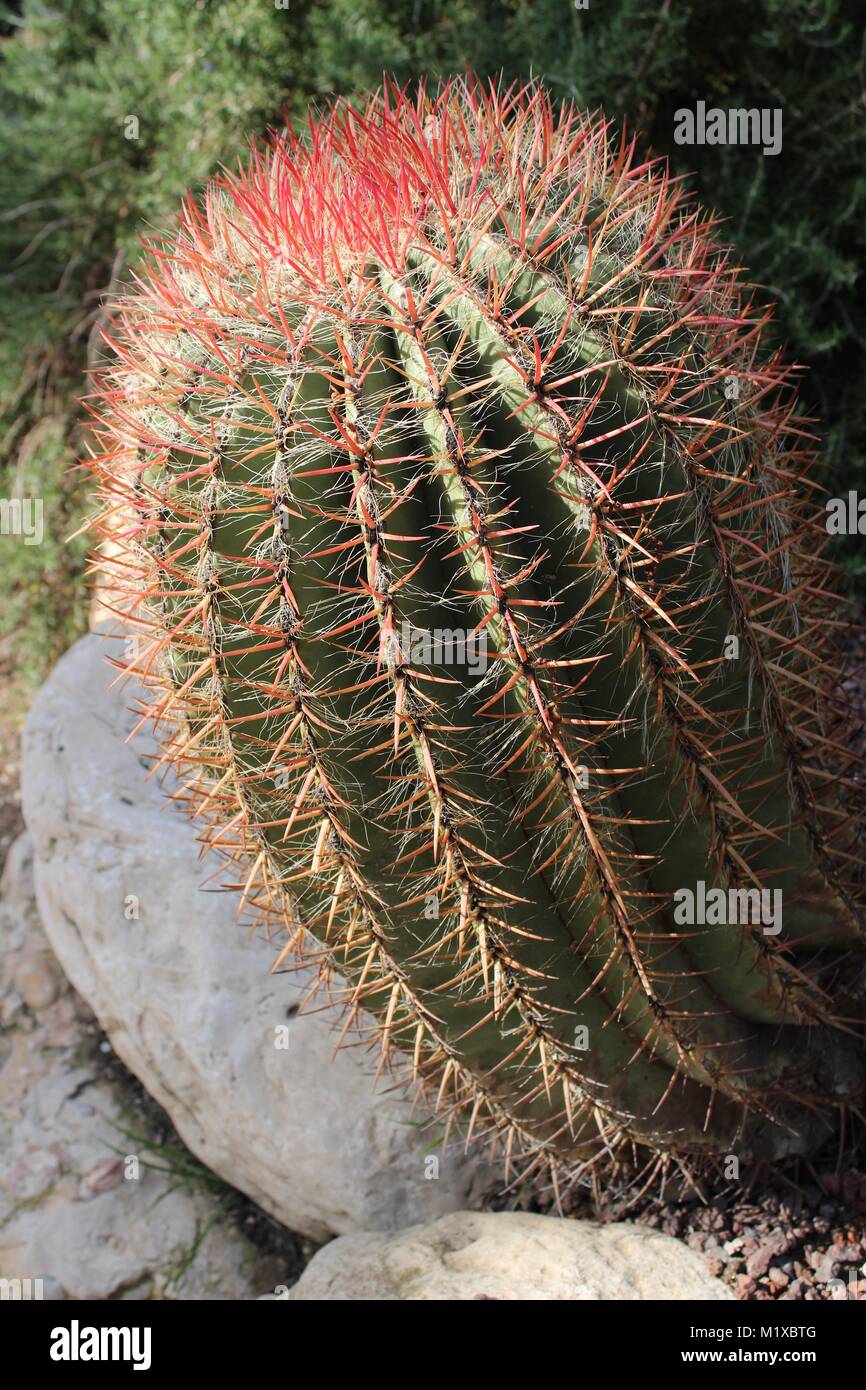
466,362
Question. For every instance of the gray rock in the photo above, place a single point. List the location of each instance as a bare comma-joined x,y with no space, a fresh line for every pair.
509,1255
187,998
73,1214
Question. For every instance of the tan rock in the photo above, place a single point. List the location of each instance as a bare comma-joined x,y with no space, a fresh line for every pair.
509,1255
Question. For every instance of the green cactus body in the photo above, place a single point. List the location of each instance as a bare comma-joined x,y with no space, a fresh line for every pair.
461,364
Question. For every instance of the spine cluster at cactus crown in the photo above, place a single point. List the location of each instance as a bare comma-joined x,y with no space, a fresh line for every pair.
464,362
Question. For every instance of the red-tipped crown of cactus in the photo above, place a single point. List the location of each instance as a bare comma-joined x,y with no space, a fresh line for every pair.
466,361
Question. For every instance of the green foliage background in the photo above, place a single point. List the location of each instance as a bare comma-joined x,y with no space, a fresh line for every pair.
202,75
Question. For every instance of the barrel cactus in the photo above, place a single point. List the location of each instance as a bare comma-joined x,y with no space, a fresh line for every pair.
480,582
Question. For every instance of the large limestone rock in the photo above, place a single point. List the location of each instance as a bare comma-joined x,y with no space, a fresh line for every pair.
187,998
509,1255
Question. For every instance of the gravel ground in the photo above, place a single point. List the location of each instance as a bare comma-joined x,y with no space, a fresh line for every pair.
795,1246
792,1232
